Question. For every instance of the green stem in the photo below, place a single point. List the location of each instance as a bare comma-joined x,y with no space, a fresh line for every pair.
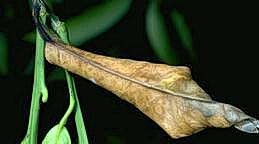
61,30
39,88
70,107
80,126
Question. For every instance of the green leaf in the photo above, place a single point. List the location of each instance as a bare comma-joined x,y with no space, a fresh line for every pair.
96,20
158,35
3,55
183,31
51,137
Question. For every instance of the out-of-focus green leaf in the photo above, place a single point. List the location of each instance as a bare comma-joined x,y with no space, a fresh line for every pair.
3,55
30,37
114,140
29,67
158,34
51,137
9,12
183,31
56,74
95,20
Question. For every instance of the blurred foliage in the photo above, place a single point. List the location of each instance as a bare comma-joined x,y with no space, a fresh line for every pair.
3,55
30,66
93,21
30,37
158,34
114,140
183,32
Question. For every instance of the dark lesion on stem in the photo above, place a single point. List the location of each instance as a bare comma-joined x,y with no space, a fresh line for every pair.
38,7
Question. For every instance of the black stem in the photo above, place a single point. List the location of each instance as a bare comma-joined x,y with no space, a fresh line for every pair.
45,33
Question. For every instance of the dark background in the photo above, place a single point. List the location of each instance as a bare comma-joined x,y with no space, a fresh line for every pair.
225,38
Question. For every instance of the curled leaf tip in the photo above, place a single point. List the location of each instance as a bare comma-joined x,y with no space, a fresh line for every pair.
250,125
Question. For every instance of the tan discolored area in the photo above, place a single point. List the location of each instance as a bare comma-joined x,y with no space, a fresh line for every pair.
166,94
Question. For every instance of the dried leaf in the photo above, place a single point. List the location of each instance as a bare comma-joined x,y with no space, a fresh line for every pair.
166,94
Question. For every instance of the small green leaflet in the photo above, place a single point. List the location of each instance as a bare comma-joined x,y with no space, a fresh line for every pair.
51,137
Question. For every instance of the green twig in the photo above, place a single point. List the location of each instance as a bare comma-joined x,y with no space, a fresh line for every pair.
39,88
80,126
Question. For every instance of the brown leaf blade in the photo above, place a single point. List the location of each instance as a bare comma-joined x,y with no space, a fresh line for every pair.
166,94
